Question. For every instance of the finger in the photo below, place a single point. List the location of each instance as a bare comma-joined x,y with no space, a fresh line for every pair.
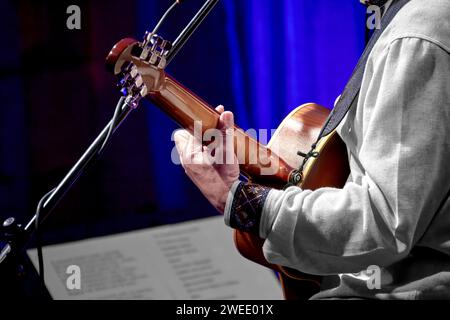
227,127
191,152
220,109
194,145
181,138
227,119
184,142
181,135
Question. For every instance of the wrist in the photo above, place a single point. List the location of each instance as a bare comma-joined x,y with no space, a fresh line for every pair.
244,207
226,197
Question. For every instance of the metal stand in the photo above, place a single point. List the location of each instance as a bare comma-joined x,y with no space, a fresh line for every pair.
14,235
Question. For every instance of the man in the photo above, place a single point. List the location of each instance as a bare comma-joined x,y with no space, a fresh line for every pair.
394,211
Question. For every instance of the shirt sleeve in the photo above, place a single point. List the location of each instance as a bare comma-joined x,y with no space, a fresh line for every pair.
399,172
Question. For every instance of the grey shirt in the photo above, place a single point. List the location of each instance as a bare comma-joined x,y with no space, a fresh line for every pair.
396,197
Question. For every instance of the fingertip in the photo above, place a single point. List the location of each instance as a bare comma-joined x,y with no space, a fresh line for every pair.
228,118
220,109
181,137
181,133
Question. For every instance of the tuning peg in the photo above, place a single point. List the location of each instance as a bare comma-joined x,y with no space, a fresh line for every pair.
162,62
156,41
166,45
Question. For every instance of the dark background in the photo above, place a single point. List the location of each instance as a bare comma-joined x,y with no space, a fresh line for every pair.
258,58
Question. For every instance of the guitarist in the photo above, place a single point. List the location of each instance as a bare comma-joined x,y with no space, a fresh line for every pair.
392,217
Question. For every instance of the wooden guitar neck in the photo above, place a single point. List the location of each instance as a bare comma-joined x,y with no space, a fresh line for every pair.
256,161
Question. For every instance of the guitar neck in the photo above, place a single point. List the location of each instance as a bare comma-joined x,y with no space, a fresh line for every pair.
256,161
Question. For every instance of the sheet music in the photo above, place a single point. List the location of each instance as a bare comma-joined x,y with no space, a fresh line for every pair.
193,260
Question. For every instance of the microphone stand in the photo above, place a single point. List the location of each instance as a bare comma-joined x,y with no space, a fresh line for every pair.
15,235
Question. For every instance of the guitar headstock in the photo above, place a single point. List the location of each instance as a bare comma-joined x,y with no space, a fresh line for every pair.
139,66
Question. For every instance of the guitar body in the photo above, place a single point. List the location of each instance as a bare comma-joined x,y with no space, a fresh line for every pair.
296,133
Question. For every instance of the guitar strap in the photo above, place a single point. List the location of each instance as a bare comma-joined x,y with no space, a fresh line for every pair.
353,87
350,94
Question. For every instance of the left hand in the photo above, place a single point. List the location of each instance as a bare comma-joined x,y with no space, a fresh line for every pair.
213,179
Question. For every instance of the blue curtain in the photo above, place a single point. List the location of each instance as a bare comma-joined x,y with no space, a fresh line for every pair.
261,59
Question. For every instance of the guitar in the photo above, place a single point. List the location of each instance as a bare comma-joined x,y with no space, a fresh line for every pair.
143,73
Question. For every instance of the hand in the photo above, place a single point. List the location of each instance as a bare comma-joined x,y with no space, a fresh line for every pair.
213,178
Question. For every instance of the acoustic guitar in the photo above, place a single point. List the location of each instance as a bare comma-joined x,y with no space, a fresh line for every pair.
143,73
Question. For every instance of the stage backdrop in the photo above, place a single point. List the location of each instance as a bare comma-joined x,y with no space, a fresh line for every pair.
260,58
